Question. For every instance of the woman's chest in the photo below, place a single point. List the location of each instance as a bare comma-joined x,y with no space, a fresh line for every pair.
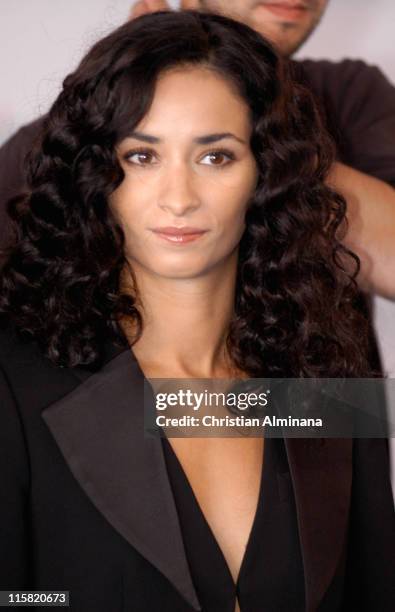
225,476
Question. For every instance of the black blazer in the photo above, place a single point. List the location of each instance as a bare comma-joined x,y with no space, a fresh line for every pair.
86,504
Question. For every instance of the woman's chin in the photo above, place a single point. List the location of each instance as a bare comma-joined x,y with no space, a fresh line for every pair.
180,272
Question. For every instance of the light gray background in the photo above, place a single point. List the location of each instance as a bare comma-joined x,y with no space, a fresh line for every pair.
42,40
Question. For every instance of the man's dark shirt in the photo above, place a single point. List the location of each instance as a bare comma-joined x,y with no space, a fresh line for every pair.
359,104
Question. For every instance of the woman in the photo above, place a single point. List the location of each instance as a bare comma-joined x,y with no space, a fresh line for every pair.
178,225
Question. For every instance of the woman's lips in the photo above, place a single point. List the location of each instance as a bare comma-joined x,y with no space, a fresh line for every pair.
179,238
291,12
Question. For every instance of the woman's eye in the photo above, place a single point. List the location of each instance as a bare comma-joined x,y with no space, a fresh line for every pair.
217,158
140,158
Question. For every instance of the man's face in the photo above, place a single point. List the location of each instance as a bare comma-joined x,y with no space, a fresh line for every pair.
286,23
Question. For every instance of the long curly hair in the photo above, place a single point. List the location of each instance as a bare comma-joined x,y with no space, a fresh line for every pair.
295,310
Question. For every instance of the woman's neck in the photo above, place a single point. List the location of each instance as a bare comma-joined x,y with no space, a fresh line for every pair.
185,323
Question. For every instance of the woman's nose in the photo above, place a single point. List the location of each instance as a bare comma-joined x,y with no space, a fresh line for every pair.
179,194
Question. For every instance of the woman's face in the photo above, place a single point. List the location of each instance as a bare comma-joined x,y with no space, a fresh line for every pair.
188,165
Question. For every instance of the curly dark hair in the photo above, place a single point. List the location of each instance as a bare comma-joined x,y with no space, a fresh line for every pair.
295,309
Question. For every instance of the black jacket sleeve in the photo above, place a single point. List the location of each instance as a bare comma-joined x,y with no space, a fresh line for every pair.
370,583
14,495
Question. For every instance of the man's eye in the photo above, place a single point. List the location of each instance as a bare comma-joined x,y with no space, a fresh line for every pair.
140,158
218,158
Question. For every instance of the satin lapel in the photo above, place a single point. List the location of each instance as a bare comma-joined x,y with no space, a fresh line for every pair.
321,470
99,428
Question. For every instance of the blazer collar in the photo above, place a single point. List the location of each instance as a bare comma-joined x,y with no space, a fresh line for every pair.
99,428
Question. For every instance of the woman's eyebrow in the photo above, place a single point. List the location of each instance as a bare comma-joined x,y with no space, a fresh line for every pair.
210,138
206,139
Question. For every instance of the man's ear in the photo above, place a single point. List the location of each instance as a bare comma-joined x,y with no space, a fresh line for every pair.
142,7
